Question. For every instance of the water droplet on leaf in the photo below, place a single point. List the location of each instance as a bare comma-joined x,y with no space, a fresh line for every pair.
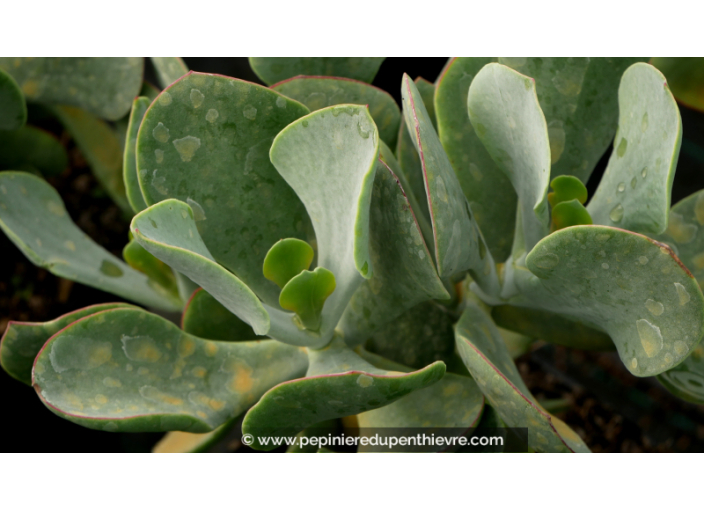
616,213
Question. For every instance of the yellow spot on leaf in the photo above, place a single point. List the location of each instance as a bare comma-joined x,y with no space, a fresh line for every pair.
210,349
186,347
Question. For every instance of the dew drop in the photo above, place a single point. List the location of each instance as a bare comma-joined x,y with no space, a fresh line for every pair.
110,269
650,337
643,260
421,254
187,147
634,182
680,347
280,102
621,187
616,213
304,123
365,381
644,172
682,294
165,99
198,212
644,123
161,133
69,245
363,130
159,154
622,146
634,363
197,98
250,112
212,115
654,307
111,426
158,183
605,265
547,261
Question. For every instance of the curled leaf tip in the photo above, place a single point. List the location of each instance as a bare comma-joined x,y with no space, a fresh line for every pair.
306,293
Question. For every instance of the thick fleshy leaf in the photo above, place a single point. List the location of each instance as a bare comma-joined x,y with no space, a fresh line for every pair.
685,233
168,69
329,158
686,380
286,259
551,327
404,274
12,104
632,287
318,92
416,338
30,148
685,75
33,216
566,188
22,341
568,214
410,173
102,86
491,366
578,97
127,370
306,293
275,69
129,162
488,190
101,147
427,94
205,317
453,402
140,259
221,129
169,232
422,218
504,110
338,383
189,442
634,192
459,244
516,343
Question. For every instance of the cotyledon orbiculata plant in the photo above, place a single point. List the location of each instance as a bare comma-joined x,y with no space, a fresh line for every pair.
243,188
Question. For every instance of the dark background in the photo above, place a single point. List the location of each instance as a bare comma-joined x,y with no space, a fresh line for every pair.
30,293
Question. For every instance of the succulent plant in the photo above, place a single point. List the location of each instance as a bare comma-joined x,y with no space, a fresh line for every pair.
330,276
